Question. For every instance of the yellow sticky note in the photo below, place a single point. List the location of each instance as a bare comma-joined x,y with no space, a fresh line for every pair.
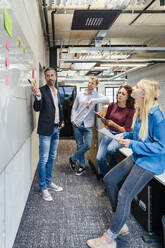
34,82
8,23
24,48
19,41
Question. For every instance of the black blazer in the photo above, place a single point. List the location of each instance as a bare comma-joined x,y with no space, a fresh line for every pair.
47,111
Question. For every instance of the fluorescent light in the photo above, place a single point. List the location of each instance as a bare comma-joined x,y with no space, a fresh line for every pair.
79,66
123,64
118,56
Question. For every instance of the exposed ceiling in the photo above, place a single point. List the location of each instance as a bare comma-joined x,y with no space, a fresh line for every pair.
107,38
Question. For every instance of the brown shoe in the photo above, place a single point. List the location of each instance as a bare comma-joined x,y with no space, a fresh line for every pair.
102,242
124,231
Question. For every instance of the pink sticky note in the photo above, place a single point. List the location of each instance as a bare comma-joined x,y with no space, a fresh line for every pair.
6,62
6,80
33,73
7,44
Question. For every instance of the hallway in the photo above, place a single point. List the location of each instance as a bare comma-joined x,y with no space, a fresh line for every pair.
78,213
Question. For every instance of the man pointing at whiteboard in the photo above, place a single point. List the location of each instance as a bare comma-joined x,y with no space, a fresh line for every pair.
47,102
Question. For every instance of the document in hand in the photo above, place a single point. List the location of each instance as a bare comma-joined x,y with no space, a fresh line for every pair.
97,114
106,132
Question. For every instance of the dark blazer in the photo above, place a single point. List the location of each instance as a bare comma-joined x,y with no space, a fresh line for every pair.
47,111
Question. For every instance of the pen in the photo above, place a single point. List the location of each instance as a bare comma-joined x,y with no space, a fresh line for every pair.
29,81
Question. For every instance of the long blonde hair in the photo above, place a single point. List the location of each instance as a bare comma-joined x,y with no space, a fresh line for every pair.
151,90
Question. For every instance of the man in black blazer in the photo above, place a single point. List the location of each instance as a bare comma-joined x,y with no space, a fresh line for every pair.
47,102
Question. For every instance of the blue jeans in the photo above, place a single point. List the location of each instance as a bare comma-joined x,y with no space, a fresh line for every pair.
83,138
107,147
48,150
135,178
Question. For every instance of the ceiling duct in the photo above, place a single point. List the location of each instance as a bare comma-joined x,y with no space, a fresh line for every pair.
94,19
93,73
99,37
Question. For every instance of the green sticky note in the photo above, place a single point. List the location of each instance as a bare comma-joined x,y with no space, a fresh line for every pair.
8,22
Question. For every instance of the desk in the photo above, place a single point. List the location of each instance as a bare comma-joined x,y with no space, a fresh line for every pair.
127,152
148,207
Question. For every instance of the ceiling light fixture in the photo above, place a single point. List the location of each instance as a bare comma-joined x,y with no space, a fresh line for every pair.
114,49
122,4
121,65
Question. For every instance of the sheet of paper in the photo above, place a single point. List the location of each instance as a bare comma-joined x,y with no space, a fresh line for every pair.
106,132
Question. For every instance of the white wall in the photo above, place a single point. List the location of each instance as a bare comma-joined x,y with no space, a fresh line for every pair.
156,72
17,177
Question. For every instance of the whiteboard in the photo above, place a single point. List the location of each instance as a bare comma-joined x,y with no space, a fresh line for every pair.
15,93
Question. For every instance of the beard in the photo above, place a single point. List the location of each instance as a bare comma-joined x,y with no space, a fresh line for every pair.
50,83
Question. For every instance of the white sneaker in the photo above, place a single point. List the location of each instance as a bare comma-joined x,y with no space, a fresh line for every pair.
46,195
124,231
54,187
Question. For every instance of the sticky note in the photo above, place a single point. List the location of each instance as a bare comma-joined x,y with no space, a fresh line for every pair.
34,82
24,48
7,44
33,73
8,23
6,80
19,41
6,62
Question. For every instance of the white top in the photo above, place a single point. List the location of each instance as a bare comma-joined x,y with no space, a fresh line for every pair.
80,114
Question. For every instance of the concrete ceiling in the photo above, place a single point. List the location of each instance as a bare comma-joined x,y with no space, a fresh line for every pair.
135,39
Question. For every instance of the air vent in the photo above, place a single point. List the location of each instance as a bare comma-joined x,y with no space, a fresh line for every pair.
93,73
94,19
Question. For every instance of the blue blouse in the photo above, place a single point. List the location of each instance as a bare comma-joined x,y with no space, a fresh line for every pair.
150,153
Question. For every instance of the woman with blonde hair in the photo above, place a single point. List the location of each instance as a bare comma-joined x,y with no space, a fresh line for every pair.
147,141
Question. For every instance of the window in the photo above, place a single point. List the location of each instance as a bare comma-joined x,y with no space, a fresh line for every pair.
111,92
66,92
82,89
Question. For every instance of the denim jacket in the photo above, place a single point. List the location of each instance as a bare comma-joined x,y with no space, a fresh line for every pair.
150,153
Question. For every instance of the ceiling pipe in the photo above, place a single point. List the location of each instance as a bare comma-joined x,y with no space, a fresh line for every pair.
125,73
156,60
89,46
46,21
115,49
76,80
143,10
53,25
42,17
99,37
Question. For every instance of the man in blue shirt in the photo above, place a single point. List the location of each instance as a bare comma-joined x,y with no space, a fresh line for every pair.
82,119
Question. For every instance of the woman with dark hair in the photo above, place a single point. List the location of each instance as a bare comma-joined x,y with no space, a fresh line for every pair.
118,119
